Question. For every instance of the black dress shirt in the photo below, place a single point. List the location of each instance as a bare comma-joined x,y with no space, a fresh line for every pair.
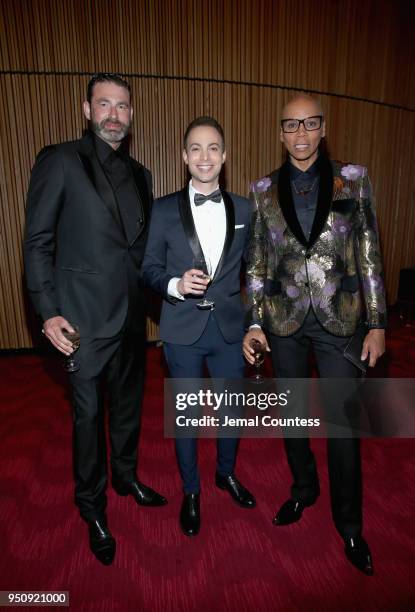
304,188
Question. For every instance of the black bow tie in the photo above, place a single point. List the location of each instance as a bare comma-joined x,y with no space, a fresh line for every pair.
215,196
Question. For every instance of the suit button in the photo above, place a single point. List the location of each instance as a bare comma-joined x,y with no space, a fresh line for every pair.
306,285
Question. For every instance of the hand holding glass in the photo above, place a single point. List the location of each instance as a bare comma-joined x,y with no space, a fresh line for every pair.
259,356
70,364
205,267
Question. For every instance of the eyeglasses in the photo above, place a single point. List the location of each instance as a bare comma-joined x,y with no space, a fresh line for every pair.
310,123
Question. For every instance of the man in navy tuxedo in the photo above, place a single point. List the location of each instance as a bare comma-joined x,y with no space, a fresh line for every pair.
201,222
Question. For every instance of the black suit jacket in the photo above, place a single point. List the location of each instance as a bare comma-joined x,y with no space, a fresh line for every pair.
80,260
172,245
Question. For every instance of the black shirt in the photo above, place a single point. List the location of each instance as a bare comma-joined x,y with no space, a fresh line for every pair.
304,188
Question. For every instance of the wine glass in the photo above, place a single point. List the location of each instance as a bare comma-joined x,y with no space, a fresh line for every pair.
259,356
205,266
70,364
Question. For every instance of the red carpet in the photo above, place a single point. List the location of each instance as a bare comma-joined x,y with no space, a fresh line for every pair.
240,561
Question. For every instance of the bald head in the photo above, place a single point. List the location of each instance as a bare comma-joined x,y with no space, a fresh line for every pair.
302,128
300,101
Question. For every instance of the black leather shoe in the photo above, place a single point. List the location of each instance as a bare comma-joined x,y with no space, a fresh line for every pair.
237,491
290,512
358,553
143,495
101,542
190,514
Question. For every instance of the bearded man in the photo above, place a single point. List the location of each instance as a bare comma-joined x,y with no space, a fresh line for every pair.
88,211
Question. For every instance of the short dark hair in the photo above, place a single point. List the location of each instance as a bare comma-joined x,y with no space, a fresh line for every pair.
204,120
106,77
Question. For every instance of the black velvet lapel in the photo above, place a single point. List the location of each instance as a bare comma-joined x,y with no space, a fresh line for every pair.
188,223
324,200
286,202
96,175
230,231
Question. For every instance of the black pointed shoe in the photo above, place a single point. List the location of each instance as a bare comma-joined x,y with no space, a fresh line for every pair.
237,491
190,514
143,495
101,542
290,512
358,553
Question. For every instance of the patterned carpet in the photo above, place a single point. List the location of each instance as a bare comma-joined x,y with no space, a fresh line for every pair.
240,561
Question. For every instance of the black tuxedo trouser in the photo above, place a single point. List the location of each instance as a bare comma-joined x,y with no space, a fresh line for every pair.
290,357
119,364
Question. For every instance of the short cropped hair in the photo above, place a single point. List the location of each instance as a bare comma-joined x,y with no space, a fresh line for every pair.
201,121
106,77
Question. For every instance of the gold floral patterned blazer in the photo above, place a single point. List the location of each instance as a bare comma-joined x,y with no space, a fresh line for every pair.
338,270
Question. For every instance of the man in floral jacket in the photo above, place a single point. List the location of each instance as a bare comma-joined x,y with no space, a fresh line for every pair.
314,272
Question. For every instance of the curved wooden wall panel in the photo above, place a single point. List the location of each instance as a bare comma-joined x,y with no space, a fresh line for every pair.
239,61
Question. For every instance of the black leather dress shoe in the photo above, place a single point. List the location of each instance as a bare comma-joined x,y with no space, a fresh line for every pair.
290,512
143,495
358,553
101,542
190,514
237,491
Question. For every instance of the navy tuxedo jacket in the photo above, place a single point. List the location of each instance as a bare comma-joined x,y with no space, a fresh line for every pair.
173,244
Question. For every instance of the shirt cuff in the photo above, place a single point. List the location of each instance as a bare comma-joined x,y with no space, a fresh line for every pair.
172,288
255,326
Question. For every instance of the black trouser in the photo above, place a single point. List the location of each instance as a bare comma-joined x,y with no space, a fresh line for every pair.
119,363
290,357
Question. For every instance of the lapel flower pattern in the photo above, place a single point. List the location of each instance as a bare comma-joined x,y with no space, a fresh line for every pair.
261,185
352,172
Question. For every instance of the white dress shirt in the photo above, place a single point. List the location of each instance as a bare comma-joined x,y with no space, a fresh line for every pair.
210,223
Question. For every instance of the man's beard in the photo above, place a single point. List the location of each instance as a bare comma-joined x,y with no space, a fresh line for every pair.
110,136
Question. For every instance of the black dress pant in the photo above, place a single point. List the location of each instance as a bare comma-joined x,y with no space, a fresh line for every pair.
116,364
290,357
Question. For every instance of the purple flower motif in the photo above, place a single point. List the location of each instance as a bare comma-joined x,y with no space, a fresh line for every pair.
301,275
364,192
373,284
315,273
303,304
277,234
254,284
322,302
261,185
352,172
292,291
329,289
341,226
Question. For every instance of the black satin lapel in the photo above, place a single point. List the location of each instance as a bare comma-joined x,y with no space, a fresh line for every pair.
230,231
286,202
324,200
188,224
143,198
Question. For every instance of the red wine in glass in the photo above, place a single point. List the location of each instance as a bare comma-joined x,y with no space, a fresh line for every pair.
259,357
70,364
